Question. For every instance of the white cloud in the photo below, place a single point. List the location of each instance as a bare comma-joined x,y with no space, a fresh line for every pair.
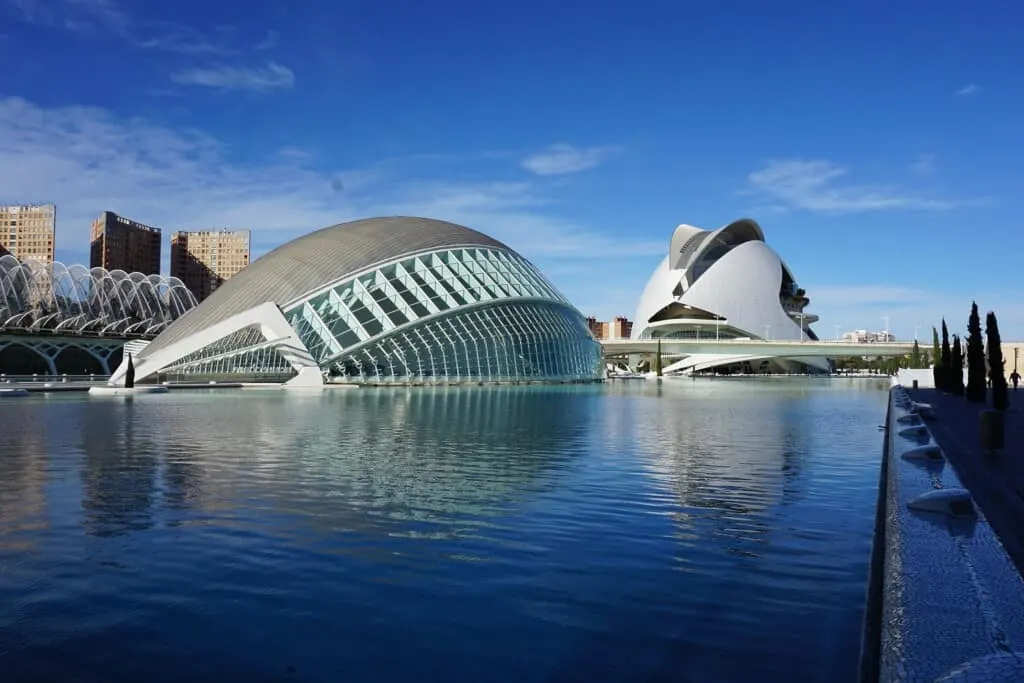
968,89
226,77
819,186
87,160
561,159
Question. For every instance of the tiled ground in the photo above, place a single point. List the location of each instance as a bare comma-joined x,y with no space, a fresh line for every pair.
996,482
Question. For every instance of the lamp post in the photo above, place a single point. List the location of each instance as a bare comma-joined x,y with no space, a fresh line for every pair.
886,319
801,327
836,328
767,331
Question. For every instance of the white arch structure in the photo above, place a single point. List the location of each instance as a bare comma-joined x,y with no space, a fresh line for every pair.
723,284
78,301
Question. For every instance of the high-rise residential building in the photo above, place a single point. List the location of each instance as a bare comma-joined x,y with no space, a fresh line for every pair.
119,243
27,231
204,259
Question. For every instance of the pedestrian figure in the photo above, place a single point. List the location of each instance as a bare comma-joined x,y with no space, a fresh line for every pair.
1015,378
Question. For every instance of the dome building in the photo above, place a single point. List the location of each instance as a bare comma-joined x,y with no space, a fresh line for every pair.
381,300
725,284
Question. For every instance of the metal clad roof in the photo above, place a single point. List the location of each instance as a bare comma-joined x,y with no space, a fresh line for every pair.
313,260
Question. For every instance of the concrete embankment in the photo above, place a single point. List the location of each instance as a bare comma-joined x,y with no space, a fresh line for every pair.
945,600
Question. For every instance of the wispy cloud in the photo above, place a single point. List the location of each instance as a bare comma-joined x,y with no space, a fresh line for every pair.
105,18
820,186
295,153
561,159
968,89
926,164
87,160
270,41
226,77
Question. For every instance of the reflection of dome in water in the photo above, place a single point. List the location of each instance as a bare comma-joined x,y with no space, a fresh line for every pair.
380,300
340,460
445,452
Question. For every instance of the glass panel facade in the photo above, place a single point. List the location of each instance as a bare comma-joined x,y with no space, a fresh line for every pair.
513,341
245,355
365,328
465,314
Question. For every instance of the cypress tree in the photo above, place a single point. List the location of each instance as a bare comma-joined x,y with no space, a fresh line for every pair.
945,360
976,388
956,374
996,373
915,356
936,357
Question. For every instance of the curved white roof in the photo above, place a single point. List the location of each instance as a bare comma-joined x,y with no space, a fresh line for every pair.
730,273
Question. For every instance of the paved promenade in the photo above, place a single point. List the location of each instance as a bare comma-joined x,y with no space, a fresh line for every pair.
995,482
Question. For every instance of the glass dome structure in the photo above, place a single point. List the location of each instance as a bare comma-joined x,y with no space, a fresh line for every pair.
380,301
79,301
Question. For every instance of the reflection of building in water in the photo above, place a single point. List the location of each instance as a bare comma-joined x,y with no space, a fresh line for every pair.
425,460
119,486
728,452
442,452
23,480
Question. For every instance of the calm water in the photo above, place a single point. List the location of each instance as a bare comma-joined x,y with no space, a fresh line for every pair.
692,531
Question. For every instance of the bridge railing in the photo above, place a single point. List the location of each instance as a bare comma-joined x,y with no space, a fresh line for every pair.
734,341
52,379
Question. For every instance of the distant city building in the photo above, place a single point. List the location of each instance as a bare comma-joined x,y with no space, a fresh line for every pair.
27,231
619,328
119,243
204,260
865,337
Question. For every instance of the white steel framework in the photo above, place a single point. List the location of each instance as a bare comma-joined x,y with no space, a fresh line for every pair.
79,301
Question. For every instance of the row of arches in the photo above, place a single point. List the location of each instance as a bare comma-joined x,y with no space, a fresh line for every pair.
39,357
54,297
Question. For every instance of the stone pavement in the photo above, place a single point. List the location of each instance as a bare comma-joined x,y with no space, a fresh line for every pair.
996,482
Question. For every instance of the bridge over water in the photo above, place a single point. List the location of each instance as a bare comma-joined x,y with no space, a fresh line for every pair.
701,354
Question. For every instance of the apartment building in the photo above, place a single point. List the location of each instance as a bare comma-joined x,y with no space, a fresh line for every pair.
27,231
119,243
204,259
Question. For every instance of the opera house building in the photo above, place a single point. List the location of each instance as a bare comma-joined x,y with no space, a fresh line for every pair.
378,301
725,284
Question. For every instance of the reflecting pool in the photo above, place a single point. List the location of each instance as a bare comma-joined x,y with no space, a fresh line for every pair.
708,530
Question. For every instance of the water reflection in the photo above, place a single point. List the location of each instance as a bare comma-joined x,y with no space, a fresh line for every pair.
23,479
119,487
365,458
701,530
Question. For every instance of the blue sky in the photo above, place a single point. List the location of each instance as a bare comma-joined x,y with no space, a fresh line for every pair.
879,148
